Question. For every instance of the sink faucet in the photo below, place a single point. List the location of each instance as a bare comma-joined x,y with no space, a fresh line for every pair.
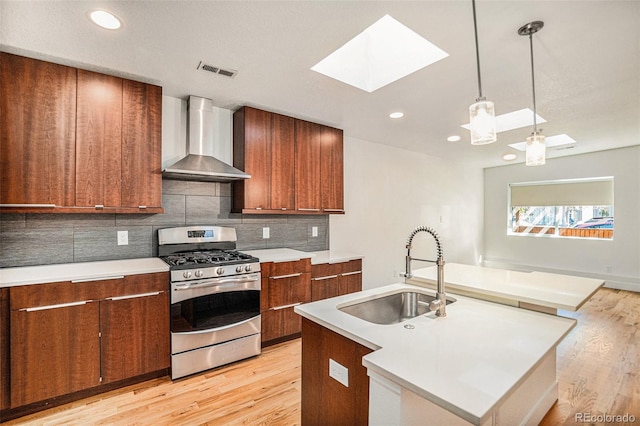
440,304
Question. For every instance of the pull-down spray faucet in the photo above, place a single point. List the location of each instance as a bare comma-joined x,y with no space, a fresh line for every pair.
440,304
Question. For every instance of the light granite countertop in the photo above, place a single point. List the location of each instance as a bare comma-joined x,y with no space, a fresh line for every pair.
80,271
537,288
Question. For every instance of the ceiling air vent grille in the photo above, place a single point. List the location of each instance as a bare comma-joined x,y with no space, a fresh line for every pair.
227,72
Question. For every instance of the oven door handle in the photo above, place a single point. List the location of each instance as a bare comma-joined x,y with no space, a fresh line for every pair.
214,283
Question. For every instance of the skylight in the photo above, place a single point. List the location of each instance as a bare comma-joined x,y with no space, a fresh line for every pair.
381,54
514,120
550,142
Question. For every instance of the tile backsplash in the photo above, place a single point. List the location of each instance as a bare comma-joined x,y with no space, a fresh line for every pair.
40,239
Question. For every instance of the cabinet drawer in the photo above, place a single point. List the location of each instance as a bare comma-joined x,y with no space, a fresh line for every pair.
352,266
273,269
35,295
325,270
30,296
286,290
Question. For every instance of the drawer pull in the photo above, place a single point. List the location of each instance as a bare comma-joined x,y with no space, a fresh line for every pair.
334,210
142,207
134,296
286,276
61,305
277,308
86,280
49,206
99,206
351,273
283,208
258,208
287,260
328,277
308,210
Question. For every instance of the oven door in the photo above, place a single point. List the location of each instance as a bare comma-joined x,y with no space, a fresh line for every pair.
211,311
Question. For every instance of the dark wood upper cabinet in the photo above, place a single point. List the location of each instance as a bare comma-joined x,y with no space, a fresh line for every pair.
75,141
296,166
308,151
141,145
264,148
37,132
332,170
98,140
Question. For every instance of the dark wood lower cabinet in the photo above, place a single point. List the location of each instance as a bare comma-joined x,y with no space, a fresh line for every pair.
54,351
4,348
71,340
325,401
134,336
335,279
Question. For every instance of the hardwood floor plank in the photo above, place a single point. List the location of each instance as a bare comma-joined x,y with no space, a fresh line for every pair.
598,373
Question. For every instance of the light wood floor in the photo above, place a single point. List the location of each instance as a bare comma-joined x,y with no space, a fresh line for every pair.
598,372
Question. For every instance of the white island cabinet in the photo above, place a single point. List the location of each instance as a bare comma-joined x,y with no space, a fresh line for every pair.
484,363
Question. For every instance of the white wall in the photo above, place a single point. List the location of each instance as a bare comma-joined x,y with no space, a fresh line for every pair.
390,191
617,261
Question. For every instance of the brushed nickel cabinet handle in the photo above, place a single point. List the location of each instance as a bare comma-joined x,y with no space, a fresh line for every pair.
277,308
134,296
60,305
86,280
351,273
328,277
309,210
286,276
48,206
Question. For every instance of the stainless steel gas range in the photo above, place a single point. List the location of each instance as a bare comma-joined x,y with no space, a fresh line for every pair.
215,298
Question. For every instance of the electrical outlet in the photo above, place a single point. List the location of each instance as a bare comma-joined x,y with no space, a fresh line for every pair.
314,231
339,372
265,232
123,238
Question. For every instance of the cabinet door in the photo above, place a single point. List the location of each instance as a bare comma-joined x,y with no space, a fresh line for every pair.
141,145
282,163
98,140
324,400
350,282
325,287
332,170
135,335
308,138
37,132
289,289
254,137
54,351
4,348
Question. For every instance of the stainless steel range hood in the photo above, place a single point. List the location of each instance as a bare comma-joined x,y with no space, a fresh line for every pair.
200,163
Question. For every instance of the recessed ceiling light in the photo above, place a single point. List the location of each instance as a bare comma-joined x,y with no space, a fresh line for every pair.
105,19
550,142
384,52
509,157
396,114
453,138
514,120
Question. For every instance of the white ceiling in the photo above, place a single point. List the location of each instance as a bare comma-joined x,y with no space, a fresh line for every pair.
587,63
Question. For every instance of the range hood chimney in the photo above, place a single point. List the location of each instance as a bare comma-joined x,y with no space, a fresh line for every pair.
200,164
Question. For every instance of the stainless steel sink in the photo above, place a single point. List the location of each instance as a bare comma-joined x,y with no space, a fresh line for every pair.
392,308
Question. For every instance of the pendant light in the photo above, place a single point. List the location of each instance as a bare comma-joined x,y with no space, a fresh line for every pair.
482,115
536,149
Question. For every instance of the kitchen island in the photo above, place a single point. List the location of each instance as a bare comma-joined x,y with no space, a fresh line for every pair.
484,363
538,291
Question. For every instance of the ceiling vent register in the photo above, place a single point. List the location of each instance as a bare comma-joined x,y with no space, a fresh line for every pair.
217,70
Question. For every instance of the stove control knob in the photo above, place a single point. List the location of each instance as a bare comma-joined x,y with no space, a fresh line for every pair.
247,268
199,273
220,271
239,269
186,274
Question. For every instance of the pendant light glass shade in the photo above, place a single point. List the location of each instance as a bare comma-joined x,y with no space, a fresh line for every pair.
482,114
536,149
482,122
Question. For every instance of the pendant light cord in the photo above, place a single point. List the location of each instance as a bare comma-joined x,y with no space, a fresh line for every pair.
475,30
533,85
